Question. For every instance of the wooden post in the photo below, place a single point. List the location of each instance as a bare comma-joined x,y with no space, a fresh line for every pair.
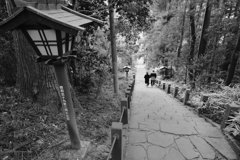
169,89
227,112
159,84
186,97
130,85
116,130
66,98
113,47
130,90
204,98
124,105
133,83
134,76
175,92
127,95
163,86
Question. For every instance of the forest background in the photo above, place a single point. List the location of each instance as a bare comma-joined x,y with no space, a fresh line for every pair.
200,39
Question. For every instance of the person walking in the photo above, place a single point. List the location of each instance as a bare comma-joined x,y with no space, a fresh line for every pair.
153,76
147,76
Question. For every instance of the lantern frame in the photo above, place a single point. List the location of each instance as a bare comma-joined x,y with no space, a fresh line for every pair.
126,68
51,33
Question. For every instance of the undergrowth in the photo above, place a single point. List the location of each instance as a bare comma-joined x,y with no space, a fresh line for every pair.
214,108
36,130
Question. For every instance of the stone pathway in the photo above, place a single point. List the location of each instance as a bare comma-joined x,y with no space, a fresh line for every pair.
161,128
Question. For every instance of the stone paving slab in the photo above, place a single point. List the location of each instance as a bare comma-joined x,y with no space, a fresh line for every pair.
135,153
149,126
174,155
160,139
133,125
162,128
155,153
208,131
223,147
203,147
177,129
136,137
186,148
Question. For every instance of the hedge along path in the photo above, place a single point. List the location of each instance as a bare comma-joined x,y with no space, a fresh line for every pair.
161,127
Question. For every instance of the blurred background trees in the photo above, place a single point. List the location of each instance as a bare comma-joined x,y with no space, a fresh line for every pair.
198,37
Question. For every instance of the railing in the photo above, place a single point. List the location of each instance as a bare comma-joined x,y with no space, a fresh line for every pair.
116,151
204,99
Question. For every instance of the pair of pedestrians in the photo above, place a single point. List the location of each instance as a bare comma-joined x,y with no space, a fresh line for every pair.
153,77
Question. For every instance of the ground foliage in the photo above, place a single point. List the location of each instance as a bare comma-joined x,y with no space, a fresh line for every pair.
8,60
214,108
35,131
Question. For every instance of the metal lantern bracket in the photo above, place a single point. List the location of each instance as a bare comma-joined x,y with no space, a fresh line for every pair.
59,60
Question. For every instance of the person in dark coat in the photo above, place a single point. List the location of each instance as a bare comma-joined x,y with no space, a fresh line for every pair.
153,76
147,76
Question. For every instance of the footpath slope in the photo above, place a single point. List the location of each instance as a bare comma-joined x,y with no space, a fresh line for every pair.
161,128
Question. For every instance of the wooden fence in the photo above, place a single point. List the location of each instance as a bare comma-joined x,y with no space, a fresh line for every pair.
204,99
116,151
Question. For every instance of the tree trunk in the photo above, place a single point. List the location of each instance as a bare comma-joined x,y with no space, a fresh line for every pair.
220,6
210,71
225,65
33,79
25,60
113,47
182,32
206,22
192,43
233,63
235,55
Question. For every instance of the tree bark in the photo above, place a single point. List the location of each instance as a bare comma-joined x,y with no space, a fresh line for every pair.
220,6
193,41
233,63
210,70
182,32
33,79
206,22
113,48
235,55
26,68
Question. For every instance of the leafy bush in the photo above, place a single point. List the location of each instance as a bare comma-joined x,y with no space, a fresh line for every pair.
233,126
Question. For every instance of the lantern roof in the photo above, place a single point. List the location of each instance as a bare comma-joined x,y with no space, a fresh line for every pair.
63,19
128,67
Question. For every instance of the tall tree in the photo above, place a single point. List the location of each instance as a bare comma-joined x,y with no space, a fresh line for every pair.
205,25
192,42
182,30
215,39
236,53
113,47
32,78
233,64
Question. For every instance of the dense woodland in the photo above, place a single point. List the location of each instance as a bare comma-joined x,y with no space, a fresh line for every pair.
199,39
